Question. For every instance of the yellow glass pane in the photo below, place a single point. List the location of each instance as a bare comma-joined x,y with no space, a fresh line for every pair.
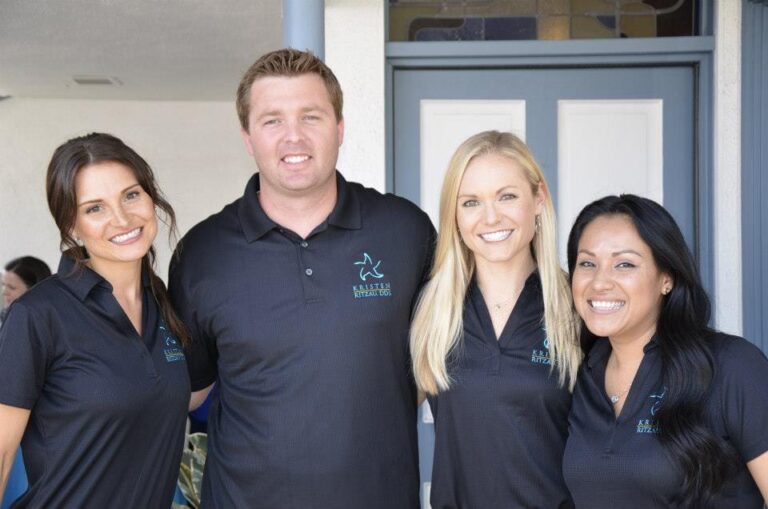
584,27
401,16
591,7
554,27
639,26
554,7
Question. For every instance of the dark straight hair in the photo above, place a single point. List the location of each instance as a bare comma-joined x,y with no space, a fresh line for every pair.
31,270
683,334
95,148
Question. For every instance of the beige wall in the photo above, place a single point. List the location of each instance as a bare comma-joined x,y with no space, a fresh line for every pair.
727,155
354,49
194,147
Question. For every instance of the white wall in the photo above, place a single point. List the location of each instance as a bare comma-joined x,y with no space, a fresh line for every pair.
727,154
354,49
194,148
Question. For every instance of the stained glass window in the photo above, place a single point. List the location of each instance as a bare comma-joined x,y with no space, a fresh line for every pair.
505,20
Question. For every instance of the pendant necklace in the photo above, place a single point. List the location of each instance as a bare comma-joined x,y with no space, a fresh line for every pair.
615,398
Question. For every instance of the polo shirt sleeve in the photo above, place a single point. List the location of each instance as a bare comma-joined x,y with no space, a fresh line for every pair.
430,254
427,260
201,354
744,371
24,357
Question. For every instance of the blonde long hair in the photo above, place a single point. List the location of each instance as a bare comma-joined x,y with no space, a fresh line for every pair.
437,326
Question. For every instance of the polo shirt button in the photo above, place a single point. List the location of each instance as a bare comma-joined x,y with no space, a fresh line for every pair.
304,243
308,272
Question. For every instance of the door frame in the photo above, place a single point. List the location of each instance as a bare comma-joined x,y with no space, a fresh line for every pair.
697,52
754,162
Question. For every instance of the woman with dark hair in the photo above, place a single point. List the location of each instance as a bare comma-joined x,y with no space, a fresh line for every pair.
20,275
92,373
666,412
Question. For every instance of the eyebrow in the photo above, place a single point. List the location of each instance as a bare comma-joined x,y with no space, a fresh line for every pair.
99,199
501,190
304,109
615,253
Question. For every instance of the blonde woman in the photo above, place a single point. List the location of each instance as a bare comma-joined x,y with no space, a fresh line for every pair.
493,340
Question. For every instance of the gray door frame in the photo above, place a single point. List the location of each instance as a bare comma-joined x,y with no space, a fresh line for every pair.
694,51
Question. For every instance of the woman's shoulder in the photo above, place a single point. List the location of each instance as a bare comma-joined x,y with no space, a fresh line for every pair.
45,296
728,349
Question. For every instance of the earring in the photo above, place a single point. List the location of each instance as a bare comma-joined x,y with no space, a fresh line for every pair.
537,224
666,290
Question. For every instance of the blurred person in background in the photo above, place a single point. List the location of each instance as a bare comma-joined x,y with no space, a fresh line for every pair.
20,275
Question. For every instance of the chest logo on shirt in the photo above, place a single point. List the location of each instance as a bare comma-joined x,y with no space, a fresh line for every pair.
541,355
171,348
651,425
371,277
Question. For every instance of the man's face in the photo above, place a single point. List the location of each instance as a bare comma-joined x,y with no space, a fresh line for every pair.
293,135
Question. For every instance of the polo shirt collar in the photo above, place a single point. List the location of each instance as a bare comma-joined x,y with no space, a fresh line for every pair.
602,349
256,223
81,279
346,212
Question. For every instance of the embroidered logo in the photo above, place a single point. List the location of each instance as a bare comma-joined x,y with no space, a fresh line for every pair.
370,269
541,356
651,425
171,348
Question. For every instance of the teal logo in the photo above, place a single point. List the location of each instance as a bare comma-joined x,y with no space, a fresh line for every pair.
652,425
374,287
541,355
368,268
171,348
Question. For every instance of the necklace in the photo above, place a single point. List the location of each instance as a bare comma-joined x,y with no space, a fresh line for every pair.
499,305
615,398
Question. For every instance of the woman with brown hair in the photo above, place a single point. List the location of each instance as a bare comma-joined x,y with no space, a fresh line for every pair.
92,372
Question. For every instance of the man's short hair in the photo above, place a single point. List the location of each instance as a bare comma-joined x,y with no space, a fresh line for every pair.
287,62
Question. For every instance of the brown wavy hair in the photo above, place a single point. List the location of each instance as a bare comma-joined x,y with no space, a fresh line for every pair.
74,155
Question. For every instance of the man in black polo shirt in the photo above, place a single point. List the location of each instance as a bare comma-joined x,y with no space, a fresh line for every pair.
298,298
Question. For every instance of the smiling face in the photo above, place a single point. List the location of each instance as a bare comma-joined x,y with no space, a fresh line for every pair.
496,211
115,217
293,135
13,287
617,287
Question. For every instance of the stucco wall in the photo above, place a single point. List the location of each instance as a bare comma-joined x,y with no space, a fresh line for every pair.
194,147
354,49
727,154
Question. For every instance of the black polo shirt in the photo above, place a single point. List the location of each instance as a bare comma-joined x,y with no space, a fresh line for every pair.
308,343
501,428
108,407
619,462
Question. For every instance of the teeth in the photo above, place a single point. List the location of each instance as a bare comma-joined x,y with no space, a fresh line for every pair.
295,159
126,236
608,305
496,236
